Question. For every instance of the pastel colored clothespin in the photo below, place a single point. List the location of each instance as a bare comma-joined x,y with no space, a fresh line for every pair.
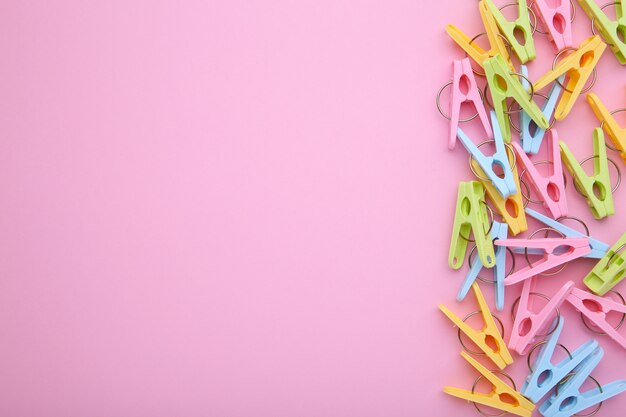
488,339
545,375
616,133
528,324
598,248
502,396
554,252
498,231
465,90
596,188
478,54
531,135
471,216
525,47
609,270
503,85
556,18
613,31
568,400
551,188
578,66
503,182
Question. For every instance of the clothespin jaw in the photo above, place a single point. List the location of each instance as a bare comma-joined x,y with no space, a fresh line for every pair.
611,30
525,50
501,397
471,216
531,135
578,66
488,339
612,128
557,20
554,251
551,189
609,270
597,188
598,248
546,375
503,85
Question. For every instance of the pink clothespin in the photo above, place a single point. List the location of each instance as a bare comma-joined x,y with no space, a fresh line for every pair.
596,308
465,89
528,324
554,252
551,189
557,20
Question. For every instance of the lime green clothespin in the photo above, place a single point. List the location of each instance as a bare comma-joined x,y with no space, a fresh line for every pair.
609,270
611,30
524,49
597,188
471,216
502,85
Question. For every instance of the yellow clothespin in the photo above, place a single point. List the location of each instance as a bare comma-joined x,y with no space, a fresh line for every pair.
525,49
478,54
613,31
488,339
501,397
578,66
614,130
471,216
503,85
597,188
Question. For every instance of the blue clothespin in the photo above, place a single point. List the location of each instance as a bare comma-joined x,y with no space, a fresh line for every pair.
498,231
531,135
570,400
598,248
504,184
545,375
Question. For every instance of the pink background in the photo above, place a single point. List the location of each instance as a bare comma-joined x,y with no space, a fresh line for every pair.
241,208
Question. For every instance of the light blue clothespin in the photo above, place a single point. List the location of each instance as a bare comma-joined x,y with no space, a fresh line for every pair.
570,400
598,248
545,375
531,135
498,231
505,184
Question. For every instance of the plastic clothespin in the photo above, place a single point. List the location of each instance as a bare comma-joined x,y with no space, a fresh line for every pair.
524,49
613,31
531,135
464,90
528,324
503,85
596,308
554,251
504,183
569,400
614,130
488,339
557,20
550,188
502,396
597,188
609,270
471,215
545,375
478,54
498,231
578,66
598,248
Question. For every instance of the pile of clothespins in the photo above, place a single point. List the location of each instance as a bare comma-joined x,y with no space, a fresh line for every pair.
554,388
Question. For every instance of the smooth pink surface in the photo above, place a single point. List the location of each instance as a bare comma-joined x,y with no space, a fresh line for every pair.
241,208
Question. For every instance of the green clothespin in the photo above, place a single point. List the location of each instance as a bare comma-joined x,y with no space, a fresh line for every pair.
503,85
524,48
471,216
609,270
611,30
597,188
